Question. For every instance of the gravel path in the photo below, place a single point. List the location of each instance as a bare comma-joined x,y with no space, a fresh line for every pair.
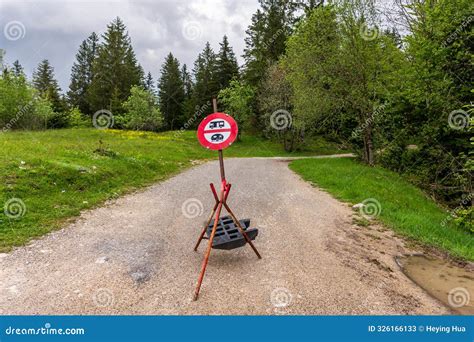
135,255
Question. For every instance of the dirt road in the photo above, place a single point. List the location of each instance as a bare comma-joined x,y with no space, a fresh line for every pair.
135,255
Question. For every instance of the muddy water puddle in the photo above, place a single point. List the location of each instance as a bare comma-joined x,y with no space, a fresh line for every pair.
450,284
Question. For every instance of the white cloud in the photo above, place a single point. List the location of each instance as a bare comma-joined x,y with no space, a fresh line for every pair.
54,29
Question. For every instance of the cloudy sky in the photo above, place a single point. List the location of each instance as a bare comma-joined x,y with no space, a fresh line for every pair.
53,29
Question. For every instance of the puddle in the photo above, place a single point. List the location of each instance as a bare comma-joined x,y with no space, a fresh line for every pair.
450,284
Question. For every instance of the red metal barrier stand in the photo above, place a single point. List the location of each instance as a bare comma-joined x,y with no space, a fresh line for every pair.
221,201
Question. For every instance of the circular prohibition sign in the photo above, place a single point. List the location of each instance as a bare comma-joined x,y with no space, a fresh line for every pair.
217,131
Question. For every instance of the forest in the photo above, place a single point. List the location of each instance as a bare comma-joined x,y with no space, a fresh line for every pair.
393,85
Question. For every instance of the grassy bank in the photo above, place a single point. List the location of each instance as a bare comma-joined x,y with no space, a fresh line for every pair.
53,175
403,207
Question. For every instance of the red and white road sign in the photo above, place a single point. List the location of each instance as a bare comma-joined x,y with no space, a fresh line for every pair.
217,131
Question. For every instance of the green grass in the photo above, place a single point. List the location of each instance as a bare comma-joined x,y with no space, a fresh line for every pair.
404,208
56,173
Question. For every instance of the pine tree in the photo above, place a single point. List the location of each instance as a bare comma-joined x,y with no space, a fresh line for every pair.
266,36
149,83
226,65
309,5
188,109
2,54
47,86
206,85
82,73
115,70
171,93
18,70
141,74
187,81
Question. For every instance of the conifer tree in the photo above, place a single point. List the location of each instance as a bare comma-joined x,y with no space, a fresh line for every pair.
226,64
18,70
149,83
188,106
82,74
47,85
187,81
171,93
115,70
206,85
266,36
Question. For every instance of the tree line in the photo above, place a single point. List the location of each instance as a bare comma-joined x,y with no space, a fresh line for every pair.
107,76
340,69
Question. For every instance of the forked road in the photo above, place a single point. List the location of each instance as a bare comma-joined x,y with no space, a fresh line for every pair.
135,255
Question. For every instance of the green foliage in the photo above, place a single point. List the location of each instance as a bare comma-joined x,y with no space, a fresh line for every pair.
464,219
149,83
77,119
206,84
276,108
236,100
266,37
48,88
171,93
428,96
142,112
115,70
312,60
393,105
2,54
226,64
20,105
188,85
339,74
82,74
18,69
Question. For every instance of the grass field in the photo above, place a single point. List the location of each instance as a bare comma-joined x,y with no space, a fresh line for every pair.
50,176
403,207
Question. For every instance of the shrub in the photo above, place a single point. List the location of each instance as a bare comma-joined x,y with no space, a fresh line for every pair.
20,105
142,112
77,119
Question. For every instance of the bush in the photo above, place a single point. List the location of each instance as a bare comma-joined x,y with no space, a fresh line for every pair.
20,105
236,100
142,112
77,119
464,219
